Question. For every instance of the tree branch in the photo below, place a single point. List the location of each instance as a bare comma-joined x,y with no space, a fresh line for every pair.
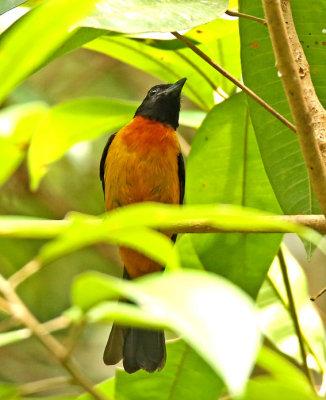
316,222
22,313
235,81
293,69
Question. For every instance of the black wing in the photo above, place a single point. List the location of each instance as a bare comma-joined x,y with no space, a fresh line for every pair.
103,158
182,176
181,173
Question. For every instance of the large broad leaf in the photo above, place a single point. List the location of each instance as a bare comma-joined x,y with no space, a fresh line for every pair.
198,304
183,377
72,122
169,66
35,38
17,124
134,16
224,165
169,63
276,321
278,145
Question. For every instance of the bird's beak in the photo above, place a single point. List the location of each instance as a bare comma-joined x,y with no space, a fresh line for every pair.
176,87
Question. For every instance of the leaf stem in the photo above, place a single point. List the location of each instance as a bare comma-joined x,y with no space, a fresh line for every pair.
247,16
294,314
248,91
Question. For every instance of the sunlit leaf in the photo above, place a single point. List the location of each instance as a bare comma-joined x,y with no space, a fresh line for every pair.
83,232
276,321
197,306
169,66
17,124
107,388
135,16
72,122
270,389
35,38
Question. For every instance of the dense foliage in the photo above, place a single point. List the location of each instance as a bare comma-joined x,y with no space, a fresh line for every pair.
71,73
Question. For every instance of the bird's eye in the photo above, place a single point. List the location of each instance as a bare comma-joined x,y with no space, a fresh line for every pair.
153,91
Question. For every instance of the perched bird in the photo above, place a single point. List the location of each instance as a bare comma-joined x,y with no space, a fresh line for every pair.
143,162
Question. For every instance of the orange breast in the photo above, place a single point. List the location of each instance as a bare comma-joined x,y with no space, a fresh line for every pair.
141,165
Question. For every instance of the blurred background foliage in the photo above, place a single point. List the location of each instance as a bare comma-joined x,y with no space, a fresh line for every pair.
53,127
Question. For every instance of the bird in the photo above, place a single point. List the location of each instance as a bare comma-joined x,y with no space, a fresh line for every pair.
143,162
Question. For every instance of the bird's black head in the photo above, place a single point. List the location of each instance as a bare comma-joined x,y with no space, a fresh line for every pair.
162,103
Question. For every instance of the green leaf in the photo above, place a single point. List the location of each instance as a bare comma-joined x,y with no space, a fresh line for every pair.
7,5
83,232
9,392
282,369
275,318
191,118
135,16
225,166
35,38
17,124
183,377
271,389
187,254
198,304
107,388
72,122
168,66
279,146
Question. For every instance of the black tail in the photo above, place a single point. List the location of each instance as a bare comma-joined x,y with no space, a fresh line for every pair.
139,348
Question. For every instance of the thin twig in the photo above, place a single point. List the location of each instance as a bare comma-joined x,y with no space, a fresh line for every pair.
249,92
294,314
43,385
286,56
247,16
25,272
321,292
4,306
74,335
23,314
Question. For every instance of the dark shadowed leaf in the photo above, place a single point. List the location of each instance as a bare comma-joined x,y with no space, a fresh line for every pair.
183,377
